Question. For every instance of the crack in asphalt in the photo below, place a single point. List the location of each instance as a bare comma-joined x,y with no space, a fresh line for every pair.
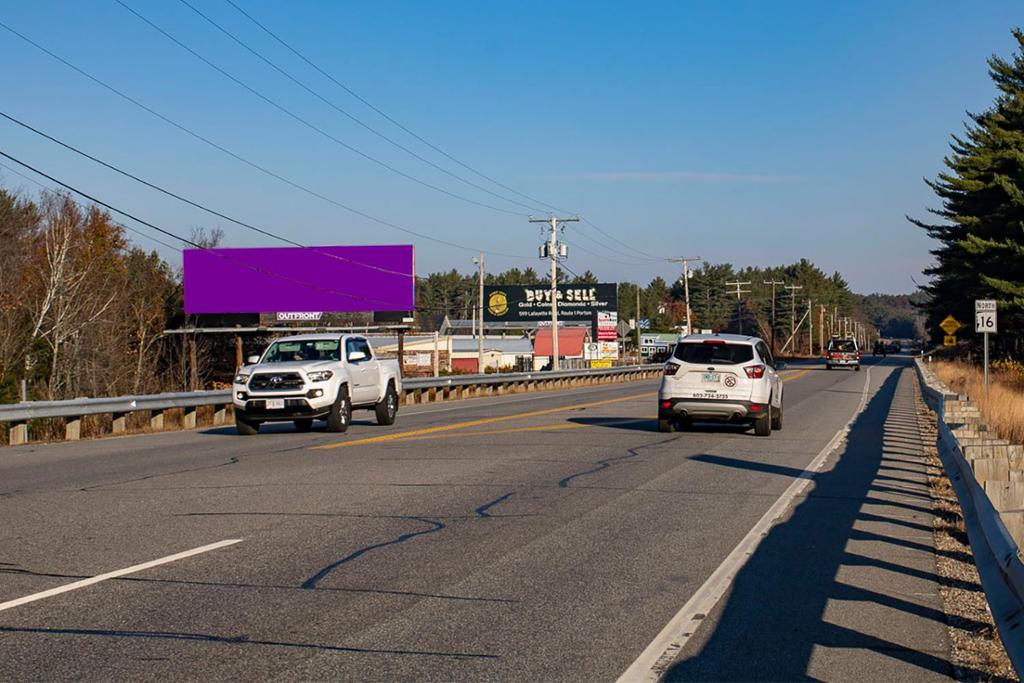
233,460
10,568
239,640
482,510
436,526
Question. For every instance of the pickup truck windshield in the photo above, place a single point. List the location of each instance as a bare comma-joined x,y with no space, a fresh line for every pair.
717,353
311,350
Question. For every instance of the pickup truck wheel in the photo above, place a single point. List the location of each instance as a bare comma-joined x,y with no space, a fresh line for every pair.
303,425
246,427
341,412
387,408
666,425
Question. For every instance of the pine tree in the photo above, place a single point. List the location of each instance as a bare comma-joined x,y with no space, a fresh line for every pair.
981,238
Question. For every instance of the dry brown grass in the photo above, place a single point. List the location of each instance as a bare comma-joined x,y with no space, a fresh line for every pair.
1002,406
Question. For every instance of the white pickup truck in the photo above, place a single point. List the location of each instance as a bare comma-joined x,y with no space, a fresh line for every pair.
315,377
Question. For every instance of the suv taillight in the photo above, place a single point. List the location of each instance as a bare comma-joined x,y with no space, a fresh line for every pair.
754,371
671,369
858,355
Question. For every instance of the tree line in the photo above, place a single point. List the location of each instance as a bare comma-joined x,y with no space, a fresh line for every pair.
980,232
83,310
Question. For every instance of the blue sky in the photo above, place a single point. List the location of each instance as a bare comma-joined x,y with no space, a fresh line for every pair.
745,132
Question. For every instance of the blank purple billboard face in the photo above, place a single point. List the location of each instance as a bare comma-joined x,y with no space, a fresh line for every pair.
327,279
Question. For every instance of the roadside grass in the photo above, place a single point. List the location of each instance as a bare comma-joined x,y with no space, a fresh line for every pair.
1002,406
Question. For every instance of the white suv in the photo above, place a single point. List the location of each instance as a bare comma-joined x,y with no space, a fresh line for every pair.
721,378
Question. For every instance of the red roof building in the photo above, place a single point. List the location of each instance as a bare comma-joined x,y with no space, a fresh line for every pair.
571,341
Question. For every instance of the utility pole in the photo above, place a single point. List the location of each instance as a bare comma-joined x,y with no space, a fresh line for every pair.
554,251
810,327
792,309
821,327
685,260
739,307
773,283
638,323
479,261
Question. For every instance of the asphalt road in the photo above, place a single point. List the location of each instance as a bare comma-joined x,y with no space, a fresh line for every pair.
546,536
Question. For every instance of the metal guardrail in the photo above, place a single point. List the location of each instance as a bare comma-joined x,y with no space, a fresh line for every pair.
20,413
996,554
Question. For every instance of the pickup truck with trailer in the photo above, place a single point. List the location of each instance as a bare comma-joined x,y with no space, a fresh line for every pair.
311,377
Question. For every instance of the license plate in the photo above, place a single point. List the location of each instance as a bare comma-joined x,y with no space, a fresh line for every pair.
275,404
711,378
705,394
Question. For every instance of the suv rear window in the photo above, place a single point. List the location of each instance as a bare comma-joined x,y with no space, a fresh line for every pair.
844,345
700,353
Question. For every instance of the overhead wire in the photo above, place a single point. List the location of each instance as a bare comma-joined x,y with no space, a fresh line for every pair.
333,105
401,126
195,204
382,113
252,164
184,240
130,229
305,122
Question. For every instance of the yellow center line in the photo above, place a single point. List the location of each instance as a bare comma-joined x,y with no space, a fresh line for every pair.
477,423
535,428
799,374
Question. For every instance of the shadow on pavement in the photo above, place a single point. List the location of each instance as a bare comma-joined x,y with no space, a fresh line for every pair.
774,619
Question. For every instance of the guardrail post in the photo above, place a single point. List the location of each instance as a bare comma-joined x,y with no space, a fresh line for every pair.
156,420
188,417
19,434
73,428
220,415
118,423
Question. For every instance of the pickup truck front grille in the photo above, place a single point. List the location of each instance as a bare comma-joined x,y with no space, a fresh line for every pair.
276,381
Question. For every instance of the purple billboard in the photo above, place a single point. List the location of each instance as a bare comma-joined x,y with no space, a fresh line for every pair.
327,279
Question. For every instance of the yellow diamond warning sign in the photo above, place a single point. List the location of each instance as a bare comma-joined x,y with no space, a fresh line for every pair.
950,325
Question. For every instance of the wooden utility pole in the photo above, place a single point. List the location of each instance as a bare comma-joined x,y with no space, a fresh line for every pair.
792,307
739,305
773,283
685,260
554,251
479,261
638,323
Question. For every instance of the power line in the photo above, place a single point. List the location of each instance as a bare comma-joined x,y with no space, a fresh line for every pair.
197,205
398,124
305,122
126,227
244,160
184,240
346,113
644,254
383,114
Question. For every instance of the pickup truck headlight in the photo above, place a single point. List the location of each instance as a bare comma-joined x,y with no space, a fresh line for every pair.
319,375
241,378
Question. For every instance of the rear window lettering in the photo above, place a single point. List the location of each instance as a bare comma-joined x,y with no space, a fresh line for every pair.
699,353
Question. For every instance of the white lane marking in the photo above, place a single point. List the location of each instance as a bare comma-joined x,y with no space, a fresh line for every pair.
115,574
661,653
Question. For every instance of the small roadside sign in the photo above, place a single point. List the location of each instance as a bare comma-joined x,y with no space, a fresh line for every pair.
949,340
985,316
645,323
985,323
950,325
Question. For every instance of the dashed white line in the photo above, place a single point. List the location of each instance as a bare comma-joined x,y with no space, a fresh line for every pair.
115,574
